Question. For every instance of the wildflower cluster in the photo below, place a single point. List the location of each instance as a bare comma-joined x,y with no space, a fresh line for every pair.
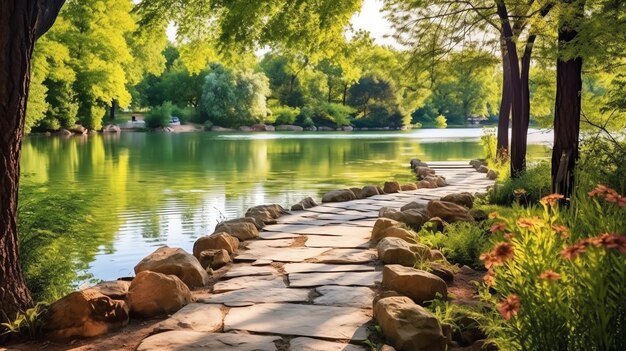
609,195
608,241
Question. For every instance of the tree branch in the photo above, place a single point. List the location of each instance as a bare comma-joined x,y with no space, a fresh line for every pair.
47,13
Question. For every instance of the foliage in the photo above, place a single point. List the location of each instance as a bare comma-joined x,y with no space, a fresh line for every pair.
602,159
328,115
526,189
461,242
285,115
442,121
186,114
559,277
28,323
234,98
494,160
159,116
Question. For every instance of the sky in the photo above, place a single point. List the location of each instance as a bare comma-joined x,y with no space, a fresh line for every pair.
370,19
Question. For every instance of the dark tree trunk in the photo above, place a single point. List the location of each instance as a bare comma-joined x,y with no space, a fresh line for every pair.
21,22
112,110
518,133
330,93
345,94
567,110
505,107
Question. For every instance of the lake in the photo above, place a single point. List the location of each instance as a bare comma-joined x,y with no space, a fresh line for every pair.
144,190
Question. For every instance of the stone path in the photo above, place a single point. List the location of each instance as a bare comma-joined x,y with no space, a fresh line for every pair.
307,284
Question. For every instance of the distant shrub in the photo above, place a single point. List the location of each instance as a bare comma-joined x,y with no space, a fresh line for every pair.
159,116
442,121
461,242
528,188
186,114
285,115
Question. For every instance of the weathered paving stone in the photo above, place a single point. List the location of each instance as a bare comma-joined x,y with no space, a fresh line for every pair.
281,254
186,340
309,344
336,230
344,296
259,295
277,235
261,262
298,280
258,244
340,217
320,268
197,317
337,241
328,322
270,281
240,271
341,256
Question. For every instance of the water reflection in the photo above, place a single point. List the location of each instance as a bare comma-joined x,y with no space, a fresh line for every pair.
144,190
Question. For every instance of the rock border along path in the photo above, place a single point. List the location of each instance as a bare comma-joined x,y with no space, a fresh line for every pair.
306,284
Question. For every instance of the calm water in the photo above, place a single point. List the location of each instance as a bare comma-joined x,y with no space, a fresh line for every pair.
145,190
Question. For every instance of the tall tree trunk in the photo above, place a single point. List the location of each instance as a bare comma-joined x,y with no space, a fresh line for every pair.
518,133
112,110
567,107
345,94
505,107
21,22
330,93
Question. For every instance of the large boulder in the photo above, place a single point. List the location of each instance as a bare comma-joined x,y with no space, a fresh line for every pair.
83,314
358,192
388,212
396,251
464,199
78,129
217,241
414,206
242,230
419,285
175,261
266,213
369,190
116,289
449,211
305,203
111,128
424,172
408,326
214,259
414,218
153,294
63,132
391,187
492,174
438,180
417,163
259,224
340,195
426,184
477,163
389,228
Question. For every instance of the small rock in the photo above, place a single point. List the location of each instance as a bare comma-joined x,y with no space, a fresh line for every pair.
467,270
177,262
84,314
381,225
408,326
152,294
479,215
437,224
477,163
305,203
214,259
266,213
78,129
391,187
111,128
339,196
217,241
387,348
483,169
436,255
242,231
419,285
289,128
417,163
442,271
380,190
387,212
357,192
448,211
259,224
464,199
395,251
414,218
413,206
492,174
424,172
63,132
408,187
117,289
369,190
425,184
245,129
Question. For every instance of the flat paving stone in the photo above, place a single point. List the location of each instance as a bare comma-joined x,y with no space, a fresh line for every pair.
339,216
337,241
341,256
320,268
277,235
246,270
261,262
187,340
270,281
301,280
309,344
344,296
281,254
197,317
335,230
257,244
328,322
258,295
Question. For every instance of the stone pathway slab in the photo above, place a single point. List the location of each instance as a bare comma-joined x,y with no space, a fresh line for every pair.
320,268
341,256
197,317
344,296
308,344
286,254
259,295
270,281
328,322
185,340
245,270
337,241
300,280
257,244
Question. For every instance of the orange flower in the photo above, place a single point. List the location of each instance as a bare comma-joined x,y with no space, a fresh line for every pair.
612,197
614,241
529,222
509,236
493,215
510,306
503,252
497,227
552,199
573,251
488,258
490,278
550,275
599,190
562,230
622,202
